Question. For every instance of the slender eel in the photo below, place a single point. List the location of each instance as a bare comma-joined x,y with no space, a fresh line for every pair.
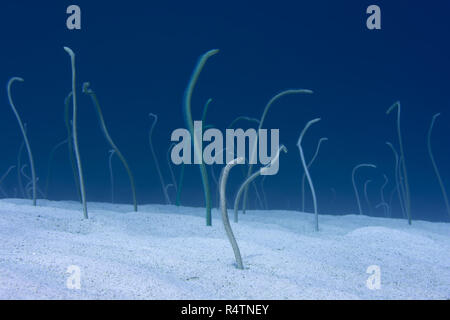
308,176
436,170
223,205
87,90
251,178
369,165
190,125
155,158
25,137
73,165
403,163
261,122
74,132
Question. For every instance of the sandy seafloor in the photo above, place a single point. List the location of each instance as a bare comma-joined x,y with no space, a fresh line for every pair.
167,252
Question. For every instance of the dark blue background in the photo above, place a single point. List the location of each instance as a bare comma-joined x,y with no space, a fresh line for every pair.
138,56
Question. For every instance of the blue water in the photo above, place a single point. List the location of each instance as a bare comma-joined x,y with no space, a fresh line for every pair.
138,56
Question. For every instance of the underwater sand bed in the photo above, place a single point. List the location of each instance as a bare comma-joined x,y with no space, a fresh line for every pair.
166,252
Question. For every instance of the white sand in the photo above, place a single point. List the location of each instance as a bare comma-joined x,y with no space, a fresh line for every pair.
165,252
